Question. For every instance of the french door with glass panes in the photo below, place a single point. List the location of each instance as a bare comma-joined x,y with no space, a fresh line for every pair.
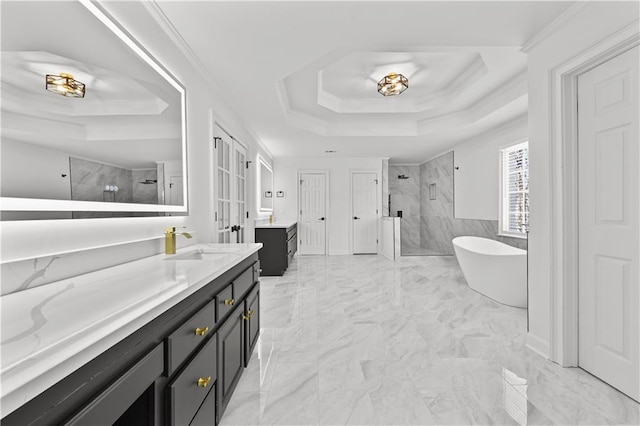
231,206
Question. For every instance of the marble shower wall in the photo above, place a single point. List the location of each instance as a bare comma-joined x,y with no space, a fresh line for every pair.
88,179
385,188
437,223
436,204
405,196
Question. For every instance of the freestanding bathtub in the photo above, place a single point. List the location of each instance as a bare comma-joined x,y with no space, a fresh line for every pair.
494,269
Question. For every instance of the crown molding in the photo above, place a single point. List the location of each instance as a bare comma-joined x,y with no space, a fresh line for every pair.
158,15
551,27
516,123
170,30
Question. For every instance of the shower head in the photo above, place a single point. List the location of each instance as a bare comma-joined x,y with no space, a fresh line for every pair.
149,181
403,177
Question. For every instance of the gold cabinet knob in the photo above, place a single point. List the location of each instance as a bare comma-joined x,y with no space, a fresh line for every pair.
229,302
202,331
203,383
248,315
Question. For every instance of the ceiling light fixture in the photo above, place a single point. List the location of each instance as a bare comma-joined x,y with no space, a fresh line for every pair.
64,84
392,84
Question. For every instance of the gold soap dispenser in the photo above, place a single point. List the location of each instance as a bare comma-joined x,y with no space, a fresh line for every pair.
170,239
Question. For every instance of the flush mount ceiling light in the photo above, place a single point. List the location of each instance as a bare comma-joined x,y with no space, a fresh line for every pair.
64,84
392,84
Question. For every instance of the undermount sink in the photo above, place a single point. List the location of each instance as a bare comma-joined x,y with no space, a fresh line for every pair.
200,254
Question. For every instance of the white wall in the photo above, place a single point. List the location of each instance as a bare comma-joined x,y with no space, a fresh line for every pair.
591,23
477,179
33,238
339,187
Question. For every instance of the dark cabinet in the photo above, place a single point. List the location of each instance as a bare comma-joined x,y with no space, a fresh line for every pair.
242,284
252,323
225,302
182,342
278,247
190,387
230,357
207,411
129,400
179,369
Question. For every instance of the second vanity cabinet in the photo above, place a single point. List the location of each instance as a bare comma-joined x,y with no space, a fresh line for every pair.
279,244
179,369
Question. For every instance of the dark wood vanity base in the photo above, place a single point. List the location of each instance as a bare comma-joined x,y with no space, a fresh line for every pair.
279,244
179,369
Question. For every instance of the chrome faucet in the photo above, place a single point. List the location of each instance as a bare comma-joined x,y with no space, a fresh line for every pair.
170,239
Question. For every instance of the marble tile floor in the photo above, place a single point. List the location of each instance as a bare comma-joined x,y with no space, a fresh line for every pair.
361,340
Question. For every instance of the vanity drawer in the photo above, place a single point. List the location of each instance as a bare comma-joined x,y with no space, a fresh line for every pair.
206,415
243,283
225,302
182,342
191,386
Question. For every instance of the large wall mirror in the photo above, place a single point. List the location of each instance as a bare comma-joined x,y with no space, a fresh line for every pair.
266,186
103,136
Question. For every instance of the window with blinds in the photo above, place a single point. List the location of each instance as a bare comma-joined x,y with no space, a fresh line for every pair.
514,205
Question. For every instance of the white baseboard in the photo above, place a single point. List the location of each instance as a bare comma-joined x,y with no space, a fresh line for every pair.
538,345
339,252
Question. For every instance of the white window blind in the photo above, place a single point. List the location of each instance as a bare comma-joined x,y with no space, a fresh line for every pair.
514,206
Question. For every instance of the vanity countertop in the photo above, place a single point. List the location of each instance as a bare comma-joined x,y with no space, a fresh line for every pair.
283,224
50,331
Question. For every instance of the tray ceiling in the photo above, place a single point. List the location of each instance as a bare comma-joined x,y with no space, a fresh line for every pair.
302,75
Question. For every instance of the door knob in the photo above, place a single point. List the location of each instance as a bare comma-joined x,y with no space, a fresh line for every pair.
322,218
356,217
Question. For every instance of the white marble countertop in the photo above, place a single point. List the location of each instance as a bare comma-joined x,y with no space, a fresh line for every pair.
50,331
283,224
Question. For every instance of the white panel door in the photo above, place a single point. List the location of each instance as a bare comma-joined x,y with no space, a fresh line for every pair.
609,229
312,225
364,198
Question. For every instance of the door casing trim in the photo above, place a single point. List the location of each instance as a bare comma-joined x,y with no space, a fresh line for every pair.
563,148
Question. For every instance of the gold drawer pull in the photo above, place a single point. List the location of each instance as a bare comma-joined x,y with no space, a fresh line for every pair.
229,302
202,331
203,383
248,316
